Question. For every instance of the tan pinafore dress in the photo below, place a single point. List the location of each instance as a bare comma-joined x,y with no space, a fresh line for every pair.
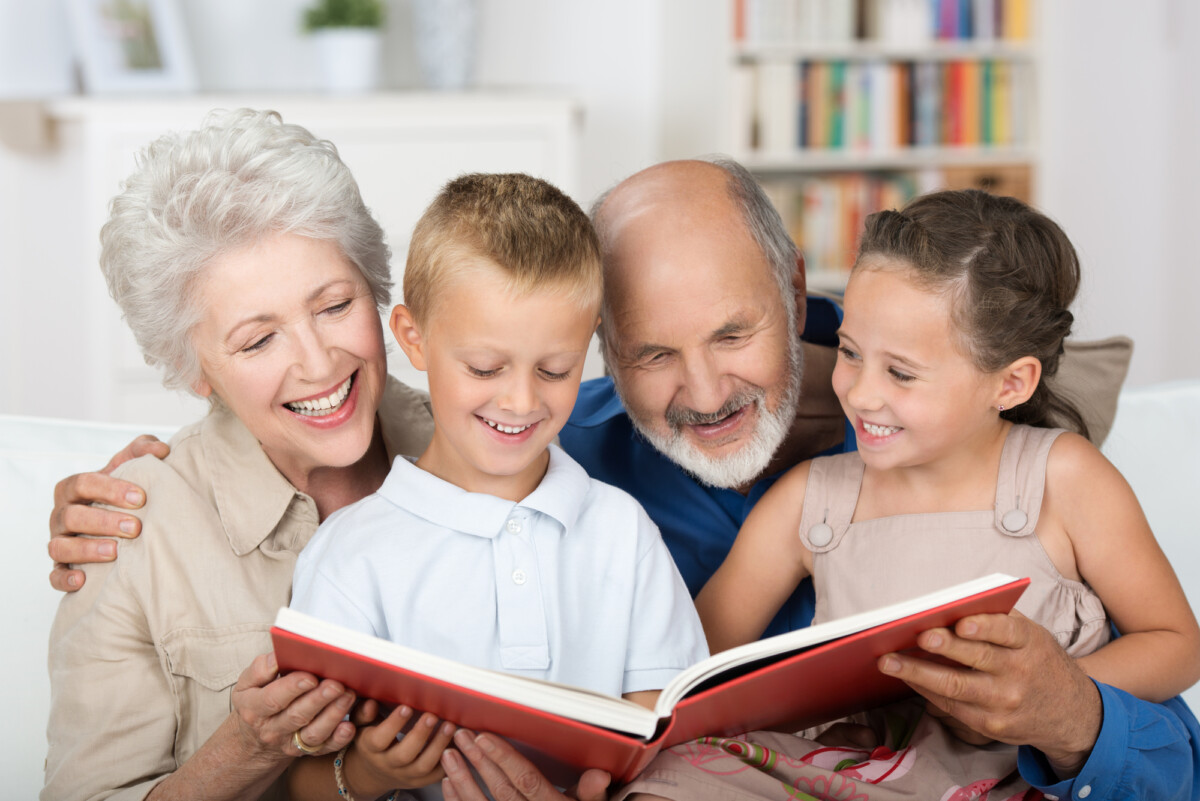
872,563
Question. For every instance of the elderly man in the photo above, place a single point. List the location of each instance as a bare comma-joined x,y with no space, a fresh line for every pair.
720,381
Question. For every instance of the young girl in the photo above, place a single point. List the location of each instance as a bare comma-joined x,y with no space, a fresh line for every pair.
955,314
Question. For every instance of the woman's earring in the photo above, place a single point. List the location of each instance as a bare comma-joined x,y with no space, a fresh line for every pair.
1000,408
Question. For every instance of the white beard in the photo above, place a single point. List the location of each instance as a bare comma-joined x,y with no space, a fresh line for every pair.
751,460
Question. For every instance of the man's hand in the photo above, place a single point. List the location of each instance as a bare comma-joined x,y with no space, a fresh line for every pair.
507,774
1018,686
73,514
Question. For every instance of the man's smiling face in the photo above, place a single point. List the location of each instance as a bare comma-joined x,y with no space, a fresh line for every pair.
698,337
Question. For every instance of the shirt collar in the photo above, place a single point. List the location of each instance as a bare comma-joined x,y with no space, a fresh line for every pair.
560,495
250,493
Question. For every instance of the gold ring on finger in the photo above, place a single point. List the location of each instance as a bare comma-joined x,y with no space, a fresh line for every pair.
298,741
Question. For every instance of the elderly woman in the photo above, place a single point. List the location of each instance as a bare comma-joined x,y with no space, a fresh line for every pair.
249,269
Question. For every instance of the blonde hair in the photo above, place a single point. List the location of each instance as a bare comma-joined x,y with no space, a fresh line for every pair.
534,233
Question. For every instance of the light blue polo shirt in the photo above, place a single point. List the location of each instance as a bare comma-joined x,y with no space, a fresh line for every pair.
573,584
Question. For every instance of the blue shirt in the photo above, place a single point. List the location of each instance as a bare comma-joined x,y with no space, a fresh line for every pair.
1144,750
572,584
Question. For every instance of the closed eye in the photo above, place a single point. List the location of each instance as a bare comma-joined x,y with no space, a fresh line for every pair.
846,353
338,308
551,376
903,378
258,345
482,373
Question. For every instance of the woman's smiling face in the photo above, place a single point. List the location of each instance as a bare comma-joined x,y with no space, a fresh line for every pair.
290,340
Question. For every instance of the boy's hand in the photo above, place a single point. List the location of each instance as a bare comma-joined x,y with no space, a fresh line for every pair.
379,762
74,514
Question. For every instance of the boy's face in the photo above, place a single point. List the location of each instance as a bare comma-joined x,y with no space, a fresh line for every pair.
504,373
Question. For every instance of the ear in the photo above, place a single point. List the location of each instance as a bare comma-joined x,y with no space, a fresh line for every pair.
202,388
404,329
1018,381
800,290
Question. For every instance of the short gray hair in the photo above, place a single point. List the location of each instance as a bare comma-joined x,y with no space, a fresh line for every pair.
196,196
761,219
766,226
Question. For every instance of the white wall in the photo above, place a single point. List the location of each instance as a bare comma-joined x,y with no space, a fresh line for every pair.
1119,130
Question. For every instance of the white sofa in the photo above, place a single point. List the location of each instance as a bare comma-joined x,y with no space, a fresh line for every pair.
1154,441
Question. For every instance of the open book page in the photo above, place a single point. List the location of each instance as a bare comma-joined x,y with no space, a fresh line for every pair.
798,640
598,709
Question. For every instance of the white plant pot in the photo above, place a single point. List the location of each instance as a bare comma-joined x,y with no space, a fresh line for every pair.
349,59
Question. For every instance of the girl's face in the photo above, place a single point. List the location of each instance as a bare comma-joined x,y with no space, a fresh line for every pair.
902,377
291,341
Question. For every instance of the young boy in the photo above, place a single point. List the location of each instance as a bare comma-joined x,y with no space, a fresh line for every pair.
495,548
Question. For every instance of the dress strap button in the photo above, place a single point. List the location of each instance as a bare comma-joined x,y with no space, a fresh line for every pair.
1014,520
820,535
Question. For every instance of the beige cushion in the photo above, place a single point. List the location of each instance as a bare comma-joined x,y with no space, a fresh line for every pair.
1090,376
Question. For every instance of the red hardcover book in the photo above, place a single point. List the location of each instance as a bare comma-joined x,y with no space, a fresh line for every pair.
801,678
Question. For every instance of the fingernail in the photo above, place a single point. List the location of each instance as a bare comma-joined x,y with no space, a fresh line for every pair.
890,665
128,526
306,684
486,743
330,691
450,761
107,548
72,581
346,700
463,738
970,627
934,641
272,663
133,497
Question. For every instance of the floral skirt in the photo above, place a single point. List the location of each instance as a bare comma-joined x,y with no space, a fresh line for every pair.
917,758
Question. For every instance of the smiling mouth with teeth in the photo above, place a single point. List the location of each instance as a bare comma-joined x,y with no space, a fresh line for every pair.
320,407
879,431
503,429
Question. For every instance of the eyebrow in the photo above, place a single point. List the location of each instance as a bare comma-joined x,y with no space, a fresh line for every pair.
894,356
266,318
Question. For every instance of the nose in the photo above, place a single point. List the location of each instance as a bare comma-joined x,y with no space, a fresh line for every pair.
863,393
701,383
519,395
313,355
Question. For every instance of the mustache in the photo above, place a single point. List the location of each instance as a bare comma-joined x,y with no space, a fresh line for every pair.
678,416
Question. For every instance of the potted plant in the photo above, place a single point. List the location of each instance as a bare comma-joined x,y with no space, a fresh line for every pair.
349,39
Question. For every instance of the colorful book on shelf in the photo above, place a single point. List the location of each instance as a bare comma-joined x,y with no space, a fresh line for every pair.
802,678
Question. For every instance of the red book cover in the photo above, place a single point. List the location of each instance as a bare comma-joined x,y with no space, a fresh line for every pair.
791,678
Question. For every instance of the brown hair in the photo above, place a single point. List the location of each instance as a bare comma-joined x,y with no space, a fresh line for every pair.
524,225
1011,274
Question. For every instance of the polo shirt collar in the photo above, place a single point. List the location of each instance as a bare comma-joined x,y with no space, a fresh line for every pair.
560,495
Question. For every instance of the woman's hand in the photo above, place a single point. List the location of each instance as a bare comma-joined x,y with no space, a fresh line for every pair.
271,710
379,762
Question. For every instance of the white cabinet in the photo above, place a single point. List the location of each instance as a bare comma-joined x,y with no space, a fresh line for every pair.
66,352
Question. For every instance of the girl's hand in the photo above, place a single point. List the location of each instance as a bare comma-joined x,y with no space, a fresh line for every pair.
270,709
379,762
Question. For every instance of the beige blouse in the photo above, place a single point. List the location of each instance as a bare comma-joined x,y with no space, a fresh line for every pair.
144,657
